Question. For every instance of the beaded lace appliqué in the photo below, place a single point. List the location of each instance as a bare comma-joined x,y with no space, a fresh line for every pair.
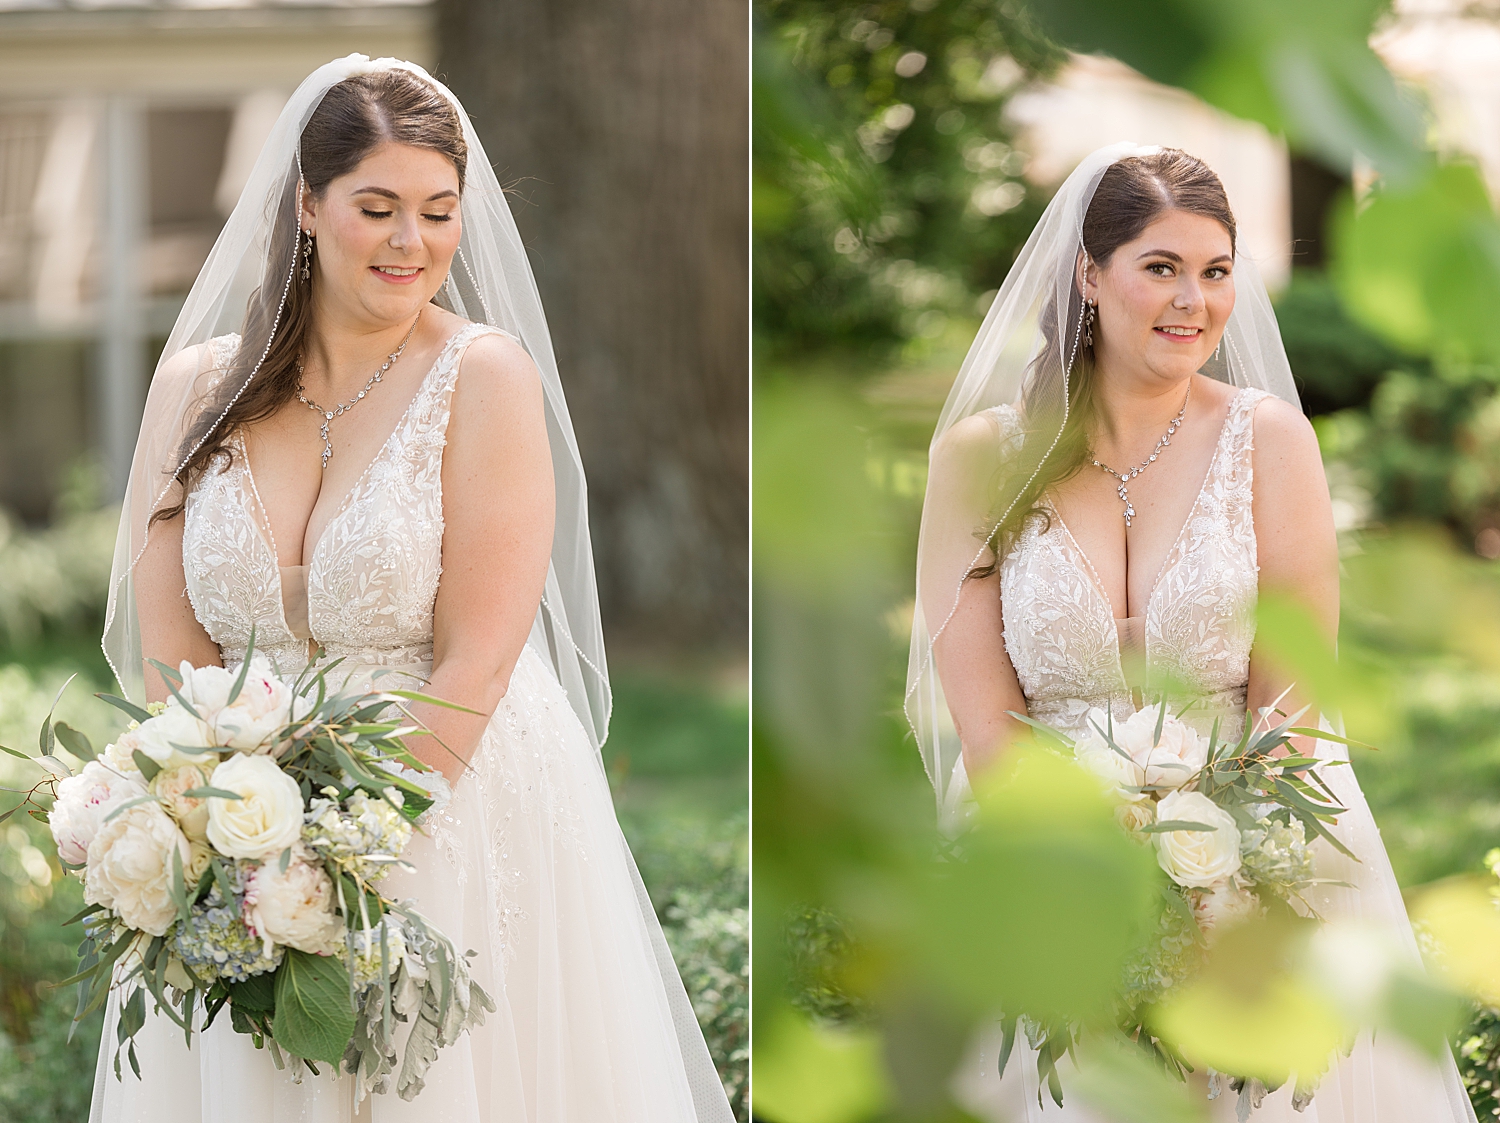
372,584
1060,631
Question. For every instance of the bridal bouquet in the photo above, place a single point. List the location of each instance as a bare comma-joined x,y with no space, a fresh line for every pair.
1230,822
232,845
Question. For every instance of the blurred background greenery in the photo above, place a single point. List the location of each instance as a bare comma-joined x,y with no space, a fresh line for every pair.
902,152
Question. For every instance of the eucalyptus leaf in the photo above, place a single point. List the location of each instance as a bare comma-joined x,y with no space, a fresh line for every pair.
210,793
127,706
239,681
1176,825
74,741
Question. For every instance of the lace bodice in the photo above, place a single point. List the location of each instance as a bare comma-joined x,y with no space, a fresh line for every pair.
368,591
1199,620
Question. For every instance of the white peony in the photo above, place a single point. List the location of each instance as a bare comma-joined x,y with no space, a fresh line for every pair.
294,908
160,737
83,803
190,812
1119,773
120,756
1224,905
268,816
130,868
262,707
1170,762
1197,859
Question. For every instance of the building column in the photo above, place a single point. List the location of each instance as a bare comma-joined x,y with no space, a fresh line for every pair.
120,389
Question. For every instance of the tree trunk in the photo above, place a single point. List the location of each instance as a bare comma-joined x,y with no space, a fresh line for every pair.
622,128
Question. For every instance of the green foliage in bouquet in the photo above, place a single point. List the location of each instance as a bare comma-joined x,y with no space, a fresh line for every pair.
1243,811
337,981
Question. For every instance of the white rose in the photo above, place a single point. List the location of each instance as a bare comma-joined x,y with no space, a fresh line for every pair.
294,908
268,816
262,708
1223,905
191,813
130,868
83,803
1136,816
159,738
1197,858
1176,756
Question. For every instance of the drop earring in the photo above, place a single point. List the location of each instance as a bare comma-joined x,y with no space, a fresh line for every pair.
307,250
1088,323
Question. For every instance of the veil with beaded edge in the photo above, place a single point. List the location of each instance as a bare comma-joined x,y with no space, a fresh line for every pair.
491,282
1023,355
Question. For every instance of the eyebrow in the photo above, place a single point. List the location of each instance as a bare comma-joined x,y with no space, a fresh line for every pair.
385,193
1178,258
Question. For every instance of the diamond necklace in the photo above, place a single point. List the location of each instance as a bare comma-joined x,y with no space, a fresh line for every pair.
1124,478
345,407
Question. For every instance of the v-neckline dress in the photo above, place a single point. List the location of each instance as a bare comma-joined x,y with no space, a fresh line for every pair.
1196,630
1069,651
526,866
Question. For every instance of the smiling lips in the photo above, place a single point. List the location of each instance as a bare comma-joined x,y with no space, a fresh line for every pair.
1179,334
396,274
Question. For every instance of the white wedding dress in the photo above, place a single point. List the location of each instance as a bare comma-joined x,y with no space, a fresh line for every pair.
1070,654
526,866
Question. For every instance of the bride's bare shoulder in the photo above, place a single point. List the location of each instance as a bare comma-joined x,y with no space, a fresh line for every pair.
1288,463
1282,428
197,368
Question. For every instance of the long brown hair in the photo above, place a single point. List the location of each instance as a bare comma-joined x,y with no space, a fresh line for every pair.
353,119
1131,195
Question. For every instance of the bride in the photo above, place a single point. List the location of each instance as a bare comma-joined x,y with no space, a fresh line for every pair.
356,440
1120,470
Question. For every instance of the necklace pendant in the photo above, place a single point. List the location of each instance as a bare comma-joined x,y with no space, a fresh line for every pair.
1129,514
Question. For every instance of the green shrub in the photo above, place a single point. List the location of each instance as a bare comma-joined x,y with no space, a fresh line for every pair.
697,872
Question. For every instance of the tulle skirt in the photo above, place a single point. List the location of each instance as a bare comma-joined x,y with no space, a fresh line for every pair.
527,867
1382,1080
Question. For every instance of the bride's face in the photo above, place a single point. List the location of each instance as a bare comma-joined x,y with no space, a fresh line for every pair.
385,234
1164,298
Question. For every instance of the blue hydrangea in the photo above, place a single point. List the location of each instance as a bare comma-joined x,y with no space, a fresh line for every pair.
364,947
215,942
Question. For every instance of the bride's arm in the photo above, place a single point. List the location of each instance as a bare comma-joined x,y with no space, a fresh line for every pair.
170,631
1296,545
498,512
979,683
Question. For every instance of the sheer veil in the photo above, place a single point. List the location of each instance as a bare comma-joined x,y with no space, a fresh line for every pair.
1024,357
248,272
1002,421
245,281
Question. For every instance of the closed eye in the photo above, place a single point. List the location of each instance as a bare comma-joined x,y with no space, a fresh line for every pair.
375,214
438,217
